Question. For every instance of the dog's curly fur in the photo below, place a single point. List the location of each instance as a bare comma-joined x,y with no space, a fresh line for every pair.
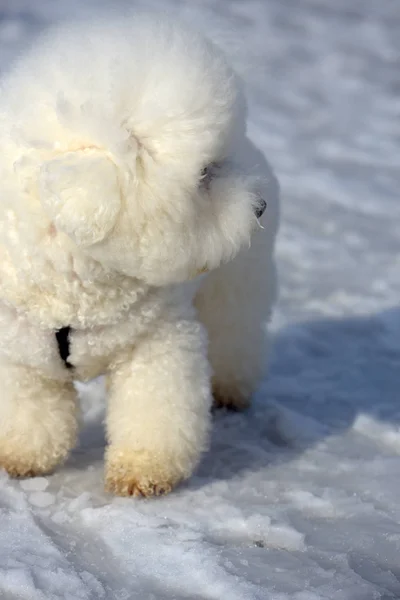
126,174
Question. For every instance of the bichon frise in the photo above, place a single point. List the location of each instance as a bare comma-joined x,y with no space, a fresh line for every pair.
132,244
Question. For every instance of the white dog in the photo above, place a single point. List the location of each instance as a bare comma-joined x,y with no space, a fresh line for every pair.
126,175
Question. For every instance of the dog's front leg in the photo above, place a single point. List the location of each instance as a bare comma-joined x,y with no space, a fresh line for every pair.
38,420
159,410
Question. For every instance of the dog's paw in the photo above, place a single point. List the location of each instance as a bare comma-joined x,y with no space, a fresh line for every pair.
140,474
20,468
230,397
18,463
127,486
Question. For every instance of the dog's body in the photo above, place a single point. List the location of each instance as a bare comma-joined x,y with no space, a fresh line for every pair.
126,174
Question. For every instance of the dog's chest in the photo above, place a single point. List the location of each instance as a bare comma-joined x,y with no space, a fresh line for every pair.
69,352
87,353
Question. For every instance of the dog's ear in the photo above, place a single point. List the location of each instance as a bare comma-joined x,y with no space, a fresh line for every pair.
81,193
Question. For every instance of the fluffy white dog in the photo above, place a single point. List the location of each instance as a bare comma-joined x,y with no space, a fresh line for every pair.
126,175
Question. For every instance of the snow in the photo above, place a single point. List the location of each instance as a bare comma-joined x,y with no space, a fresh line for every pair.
298,497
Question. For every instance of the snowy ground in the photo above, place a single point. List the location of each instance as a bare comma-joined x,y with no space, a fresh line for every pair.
299,498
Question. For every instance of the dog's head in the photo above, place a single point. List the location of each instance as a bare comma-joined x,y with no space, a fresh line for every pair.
147,178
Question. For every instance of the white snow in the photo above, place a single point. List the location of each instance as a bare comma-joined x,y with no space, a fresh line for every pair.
298,498
36,484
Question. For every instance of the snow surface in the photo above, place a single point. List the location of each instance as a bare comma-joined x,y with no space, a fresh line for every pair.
299,497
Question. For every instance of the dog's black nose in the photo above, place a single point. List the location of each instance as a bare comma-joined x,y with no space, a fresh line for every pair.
260,208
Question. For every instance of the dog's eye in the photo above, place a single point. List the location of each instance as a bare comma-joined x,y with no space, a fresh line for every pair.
207,174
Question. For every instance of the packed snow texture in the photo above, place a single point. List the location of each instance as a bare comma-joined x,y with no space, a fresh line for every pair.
299,497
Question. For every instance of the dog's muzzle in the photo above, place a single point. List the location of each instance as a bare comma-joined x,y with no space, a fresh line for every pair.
259,210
